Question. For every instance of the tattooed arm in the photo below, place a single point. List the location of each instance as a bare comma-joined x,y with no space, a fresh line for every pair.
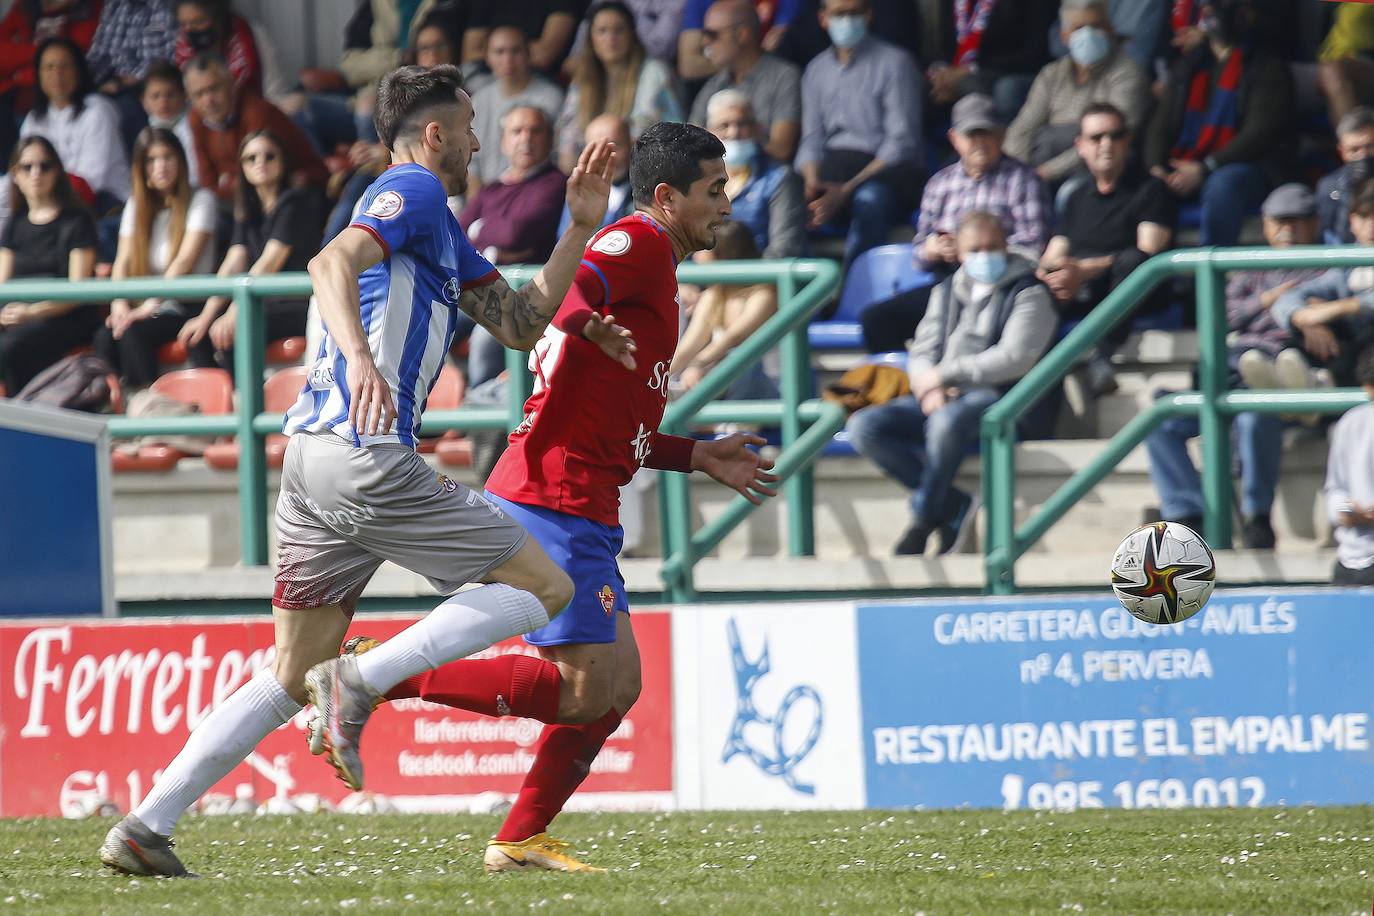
517,318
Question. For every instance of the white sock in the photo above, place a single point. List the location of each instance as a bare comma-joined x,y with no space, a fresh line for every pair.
221,742
462,625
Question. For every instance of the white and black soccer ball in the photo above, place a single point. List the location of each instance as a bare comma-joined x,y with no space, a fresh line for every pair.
1163,572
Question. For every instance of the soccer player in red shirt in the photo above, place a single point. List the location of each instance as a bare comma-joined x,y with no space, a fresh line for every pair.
601,373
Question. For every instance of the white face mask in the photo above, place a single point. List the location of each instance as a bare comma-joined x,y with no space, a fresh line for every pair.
846,31
740,152
986,266
1088,46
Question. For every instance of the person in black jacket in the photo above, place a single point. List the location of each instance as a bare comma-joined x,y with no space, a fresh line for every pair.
1222,134
992,47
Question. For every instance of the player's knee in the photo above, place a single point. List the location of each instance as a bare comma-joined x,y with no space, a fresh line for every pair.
555,593
290,671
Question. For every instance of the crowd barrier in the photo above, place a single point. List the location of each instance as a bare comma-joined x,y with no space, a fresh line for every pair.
1052,702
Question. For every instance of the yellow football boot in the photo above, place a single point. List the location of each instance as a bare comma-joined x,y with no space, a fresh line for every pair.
539,851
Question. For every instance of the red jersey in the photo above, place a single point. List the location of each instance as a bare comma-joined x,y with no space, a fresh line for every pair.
591,423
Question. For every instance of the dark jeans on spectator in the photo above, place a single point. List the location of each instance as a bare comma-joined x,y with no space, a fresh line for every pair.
1344,575
890,324
1008,90
877,204
1228,196
922,453
134,355
1095,290
28,349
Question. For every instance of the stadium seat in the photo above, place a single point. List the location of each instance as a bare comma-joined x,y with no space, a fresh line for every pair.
447,394
210,390
289,351
172,353
877,274
278,395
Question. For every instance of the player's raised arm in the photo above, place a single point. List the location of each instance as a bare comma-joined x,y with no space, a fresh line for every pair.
334,274
518,318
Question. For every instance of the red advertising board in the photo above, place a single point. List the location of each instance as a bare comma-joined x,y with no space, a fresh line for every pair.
94,710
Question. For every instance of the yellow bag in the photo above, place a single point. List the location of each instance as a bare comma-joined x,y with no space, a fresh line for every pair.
866,385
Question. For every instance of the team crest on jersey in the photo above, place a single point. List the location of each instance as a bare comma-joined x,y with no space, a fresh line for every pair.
607,597
386,205
448,483
615,242
452,290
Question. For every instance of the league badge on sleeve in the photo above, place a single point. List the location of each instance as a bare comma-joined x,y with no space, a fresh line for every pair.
387,205
615,242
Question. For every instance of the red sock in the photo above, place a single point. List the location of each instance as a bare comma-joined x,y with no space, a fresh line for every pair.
562,759
507,685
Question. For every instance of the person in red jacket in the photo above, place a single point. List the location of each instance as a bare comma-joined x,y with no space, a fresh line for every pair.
31,21
208,25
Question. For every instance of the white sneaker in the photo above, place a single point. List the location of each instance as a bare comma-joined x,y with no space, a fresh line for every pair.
1293,370
1257,370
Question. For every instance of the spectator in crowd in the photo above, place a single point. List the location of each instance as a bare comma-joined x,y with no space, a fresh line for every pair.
733,38
50,234
222,116
657,23
899,22
132,37
986,326
1110,224
860,150
211,27
983,179
515,85
765,195
164,104
1095,70
167,231
513,220
692,61
1346,73
1333,313
620,203
1220,133
81,124
1289,219
1355,141
994,48
613,75
276,230
549,25
1142,25
1350,485
28,23
724,317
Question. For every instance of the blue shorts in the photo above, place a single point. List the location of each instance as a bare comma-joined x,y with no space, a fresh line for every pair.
586,551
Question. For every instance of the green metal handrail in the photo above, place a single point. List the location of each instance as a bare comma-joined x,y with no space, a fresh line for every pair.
803,286
1005,543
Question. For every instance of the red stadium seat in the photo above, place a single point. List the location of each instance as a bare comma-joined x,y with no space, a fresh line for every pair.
172,354
278,395
156,458
211,390
289,351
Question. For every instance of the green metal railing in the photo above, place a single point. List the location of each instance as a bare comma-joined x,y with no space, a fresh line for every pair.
803,287
1213,405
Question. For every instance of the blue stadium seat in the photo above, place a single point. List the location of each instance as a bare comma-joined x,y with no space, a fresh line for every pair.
877,274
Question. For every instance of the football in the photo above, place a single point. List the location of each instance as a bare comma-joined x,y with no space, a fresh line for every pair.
1163,572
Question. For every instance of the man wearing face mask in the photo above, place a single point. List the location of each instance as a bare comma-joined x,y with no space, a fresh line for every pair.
1221,133
1355,140
1257,337
1095,70
766,195
986,326
860,150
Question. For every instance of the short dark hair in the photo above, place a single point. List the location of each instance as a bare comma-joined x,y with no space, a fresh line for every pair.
84,84
1363,202
1103,108
163,71
207,60
670,153
1364,366
408,91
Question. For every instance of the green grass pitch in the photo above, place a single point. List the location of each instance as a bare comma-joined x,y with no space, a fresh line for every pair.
871,862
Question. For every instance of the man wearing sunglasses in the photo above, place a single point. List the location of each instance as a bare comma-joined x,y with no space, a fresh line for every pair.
1110,224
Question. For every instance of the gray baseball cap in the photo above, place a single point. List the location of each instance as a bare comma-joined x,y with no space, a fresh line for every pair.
975,112
1290,200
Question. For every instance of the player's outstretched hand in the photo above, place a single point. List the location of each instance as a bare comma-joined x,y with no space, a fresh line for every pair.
589,186
616,342
370,408
732,462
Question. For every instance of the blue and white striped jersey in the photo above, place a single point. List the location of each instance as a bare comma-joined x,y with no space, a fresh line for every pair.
408,305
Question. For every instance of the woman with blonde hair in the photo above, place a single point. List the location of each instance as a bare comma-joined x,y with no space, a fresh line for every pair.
167,230
614,75
50,234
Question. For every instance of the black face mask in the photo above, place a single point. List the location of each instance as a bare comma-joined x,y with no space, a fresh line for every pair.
1360,170
201,39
